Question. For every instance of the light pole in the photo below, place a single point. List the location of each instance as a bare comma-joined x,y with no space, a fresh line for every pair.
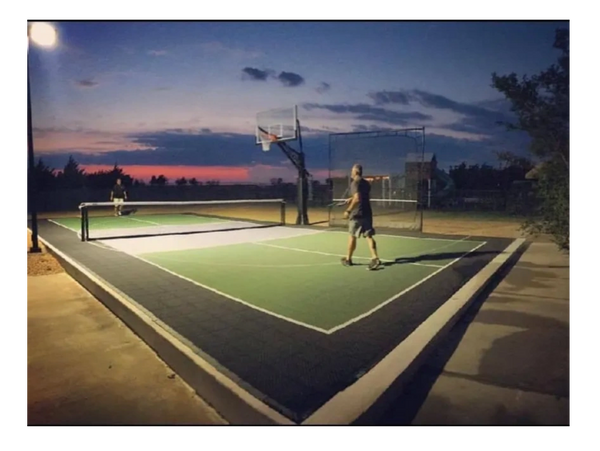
43,35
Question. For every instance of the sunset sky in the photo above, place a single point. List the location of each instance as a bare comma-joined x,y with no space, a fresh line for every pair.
180,98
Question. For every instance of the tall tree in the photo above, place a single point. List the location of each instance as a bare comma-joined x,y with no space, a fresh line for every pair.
72,176
541,104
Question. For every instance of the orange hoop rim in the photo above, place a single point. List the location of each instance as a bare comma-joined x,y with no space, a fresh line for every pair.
268,139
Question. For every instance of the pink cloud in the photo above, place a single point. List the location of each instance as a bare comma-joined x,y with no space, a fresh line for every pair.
255,174
201,173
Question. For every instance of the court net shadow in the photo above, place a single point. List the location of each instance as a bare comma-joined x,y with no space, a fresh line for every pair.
438,257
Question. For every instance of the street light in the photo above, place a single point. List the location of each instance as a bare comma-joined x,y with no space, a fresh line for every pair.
44,35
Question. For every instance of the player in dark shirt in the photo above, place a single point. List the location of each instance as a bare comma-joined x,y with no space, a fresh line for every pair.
118,195
360,216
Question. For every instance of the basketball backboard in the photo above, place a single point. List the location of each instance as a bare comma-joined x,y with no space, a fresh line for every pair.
276,125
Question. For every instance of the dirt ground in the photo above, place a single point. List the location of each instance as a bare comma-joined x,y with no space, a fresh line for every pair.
497,229
446,224
42,263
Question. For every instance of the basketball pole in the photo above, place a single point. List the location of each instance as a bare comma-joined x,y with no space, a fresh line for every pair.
299,162
302,218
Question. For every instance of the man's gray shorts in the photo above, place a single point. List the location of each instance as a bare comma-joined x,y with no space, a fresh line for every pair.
361,227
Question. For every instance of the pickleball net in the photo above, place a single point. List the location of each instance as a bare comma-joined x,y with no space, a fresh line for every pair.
106,220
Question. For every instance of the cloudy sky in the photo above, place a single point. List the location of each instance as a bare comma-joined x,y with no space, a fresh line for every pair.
180,98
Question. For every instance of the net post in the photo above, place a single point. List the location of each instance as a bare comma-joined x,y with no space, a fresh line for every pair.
422,130
86,215
282,212
87,224
82,222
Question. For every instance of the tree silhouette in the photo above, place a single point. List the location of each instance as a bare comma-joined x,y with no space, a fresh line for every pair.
486,177
45,176
193,181
161,180
541,103
107,179
71,176
181,182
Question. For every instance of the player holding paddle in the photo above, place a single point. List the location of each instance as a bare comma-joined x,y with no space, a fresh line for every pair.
360,217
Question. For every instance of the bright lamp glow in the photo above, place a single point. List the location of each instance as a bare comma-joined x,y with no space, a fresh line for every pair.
43,34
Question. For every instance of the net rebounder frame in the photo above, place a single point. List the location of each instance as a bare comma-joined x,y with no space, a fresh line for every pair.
417,134
85,207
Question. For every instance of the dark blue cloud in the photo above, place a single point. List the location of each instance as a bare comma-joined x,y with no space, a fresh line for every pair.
256,74
482,118
87,83
290,79
389,97
367,112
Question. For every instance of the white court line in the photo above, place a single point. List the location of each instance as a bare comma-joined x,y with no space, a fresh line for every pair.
65,227
396,296
336,255
194,224
233,298
147,222
410,237
79,235
197,262
300,323
104,246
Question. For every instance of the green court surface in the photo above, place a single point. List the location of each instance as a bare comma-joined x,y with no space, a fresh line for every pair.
301,279
137,221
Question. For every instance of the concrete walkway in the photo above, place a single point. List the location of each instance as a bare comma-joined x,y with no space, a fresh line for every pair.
507,361
86,367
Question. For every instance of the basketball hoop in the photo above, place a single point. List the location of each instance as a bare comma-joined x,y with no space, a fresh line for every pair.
268,138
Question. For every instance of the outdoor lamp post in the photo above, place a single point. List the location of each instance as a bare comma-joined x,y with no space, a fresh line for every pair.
44,35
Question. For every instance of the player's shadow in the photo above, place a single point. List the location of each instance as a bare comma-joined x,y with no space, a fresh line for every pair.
436,257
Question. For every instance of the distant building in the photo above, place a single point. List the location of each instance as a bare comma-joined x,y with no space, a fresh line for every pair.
423,164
